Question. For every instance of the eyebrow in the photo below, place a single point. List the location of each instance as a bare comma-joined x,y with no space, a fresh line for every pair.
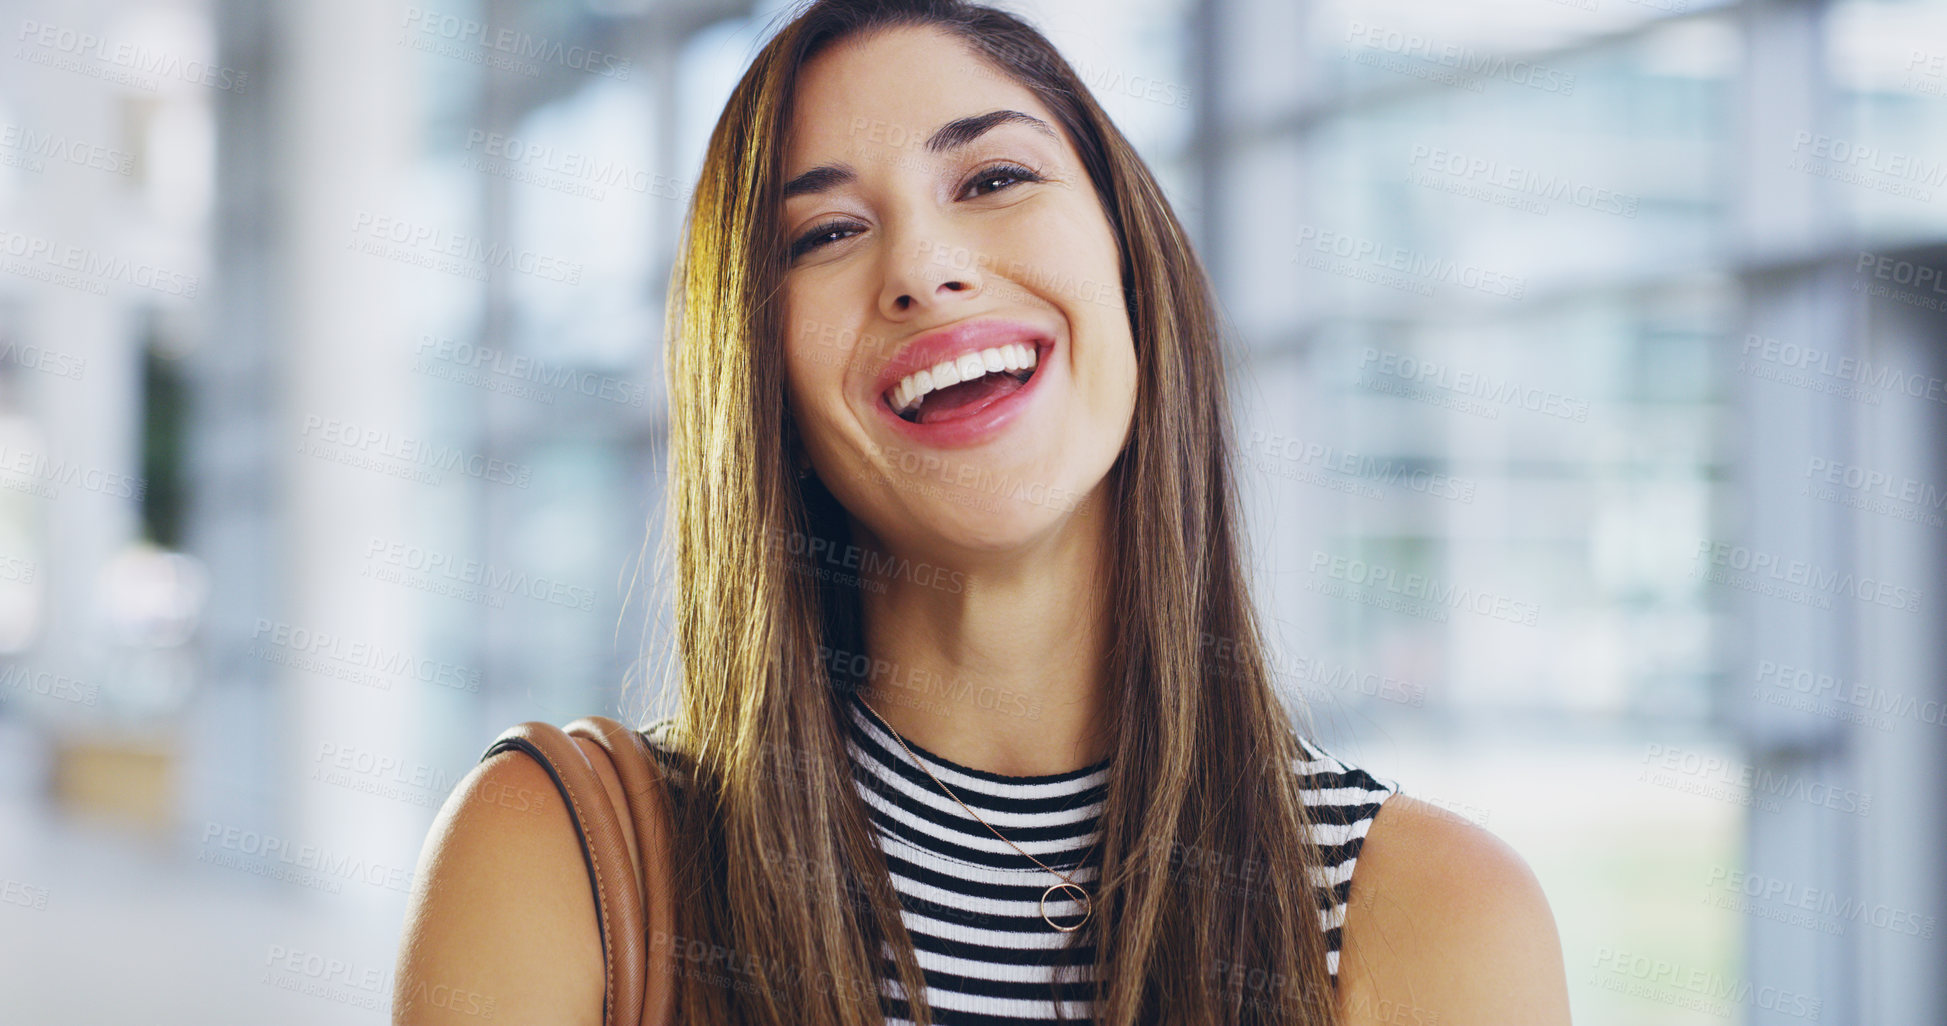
952,135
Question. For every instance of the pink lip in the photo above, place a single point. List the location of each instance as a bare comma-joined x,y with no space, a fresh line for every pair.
953,341
948,343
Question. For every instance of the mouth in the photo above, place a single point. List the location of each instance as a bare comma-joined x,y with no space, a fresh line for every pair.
964,384
962,387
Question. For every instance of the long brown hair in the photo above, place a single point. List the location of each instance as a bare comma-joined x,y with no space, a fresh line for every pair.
1206,911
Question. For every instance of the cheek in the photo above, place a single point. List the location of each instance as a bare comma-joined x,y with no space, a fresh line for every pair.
806,376
1118,379
810,387
1067,252
1067,257
815,363
821,336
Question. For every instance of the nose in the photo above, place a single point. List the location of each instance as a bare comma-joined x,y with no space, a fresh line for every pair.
926,269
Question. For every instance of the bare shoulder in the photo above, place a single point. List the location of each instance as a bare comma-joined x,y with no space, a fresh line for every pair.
501,923
1446,924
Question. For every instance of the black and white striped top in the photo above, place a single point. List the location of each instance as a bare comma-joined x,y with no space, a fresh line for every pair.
972,903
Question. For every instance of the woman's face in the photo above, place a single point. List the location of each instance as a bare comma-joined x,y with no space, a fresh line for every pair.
925,224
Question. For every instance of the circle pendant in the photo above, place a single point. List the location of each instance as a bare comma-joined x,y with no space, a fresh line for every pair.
1080,896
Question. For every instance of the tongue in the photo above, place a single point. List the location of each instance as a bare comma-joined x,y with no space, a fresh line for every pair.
965,399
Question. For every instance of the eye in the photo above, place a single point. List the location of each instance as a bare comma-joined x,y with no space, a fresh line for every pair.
1009,173
818,236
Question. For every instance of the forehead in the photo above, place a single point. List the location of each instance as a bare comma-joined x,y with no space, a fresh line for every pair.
892,89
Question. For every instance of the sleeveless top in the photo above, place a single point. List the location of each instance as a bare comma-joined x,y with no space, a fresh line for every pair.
972,904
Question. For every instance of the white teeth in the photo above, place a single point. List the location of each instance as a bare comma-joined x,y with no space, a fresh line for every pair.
968,366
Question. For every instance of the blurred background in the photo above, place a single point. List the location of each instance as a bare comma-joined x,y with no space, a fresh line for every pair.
1592,380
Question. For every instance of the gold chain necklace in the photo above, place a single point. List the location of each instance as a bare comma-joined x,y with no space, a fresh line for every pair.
1067,884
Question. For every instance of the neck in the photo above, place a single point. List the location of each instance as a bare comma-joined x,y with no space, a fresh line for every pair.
997,664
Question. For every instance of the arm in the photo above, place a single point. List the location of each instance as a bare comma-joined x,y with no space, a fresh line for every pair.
501,922
1447,926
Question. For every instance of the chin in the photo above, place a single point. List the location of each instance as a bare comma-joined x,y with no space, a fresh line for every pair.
999,531
973,520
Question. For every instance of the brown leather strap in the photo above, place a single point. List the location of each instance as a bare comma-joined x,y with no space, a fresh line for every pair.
642,783
618,896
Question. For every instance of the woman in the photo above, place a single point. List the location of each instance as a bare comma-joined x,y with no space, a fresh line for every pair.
971,677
